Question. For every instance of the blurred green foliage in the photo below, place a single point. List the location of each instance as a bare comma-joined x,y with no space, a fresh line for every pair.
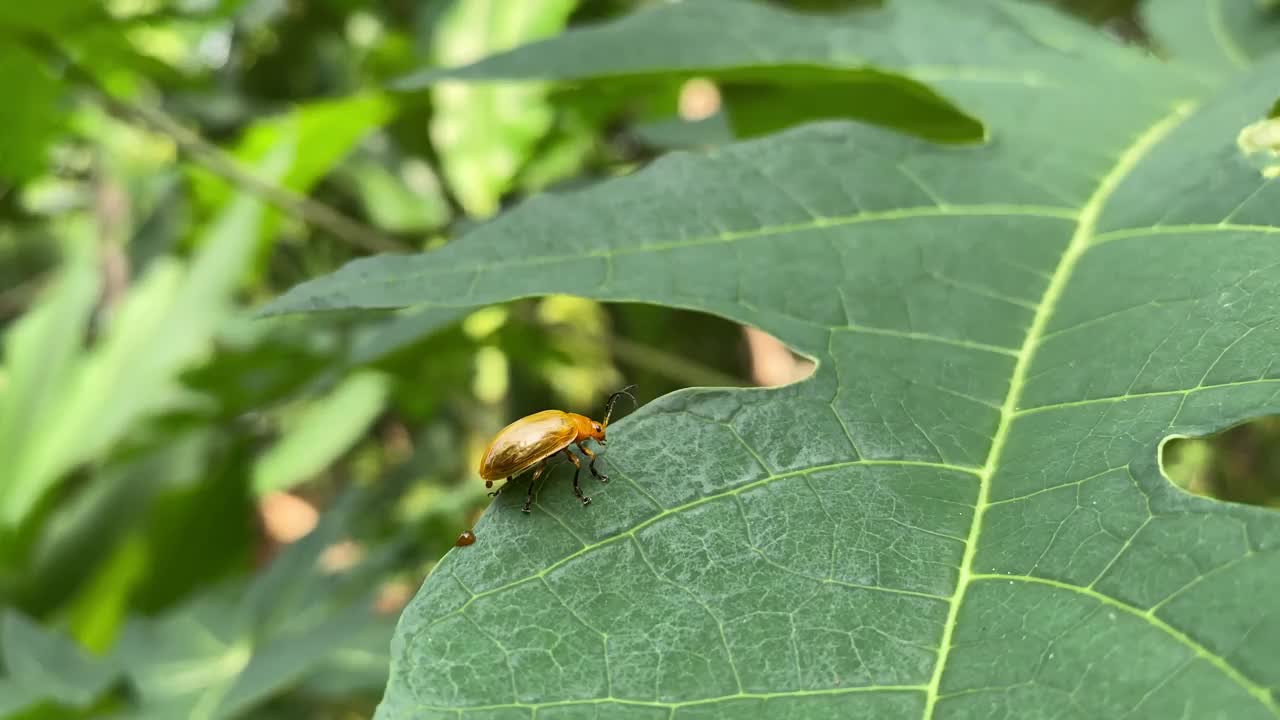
166,165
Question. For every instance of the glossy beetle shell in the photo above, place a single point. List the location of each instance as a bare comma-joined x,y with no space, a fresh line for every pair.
520,445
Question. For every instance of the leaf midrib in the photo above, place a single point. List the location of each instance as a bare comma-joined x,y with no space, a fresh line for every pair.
1081,239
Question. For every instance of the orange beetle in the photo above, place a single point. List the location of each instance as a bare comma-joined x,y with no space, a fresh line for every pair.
536,438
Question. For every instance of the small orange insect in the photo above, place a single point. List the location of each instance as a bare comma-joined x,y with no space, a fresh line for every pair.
536,438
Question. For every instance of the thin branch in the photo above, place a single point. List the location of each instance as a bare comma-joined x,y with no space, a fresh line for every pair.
221,163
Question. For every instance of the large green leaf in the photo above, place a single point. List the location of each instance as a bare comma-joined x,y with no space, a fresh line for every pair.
962,513
778,67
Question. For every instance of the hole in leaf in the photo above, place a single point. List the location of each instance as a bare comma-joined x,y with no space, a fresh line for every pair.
668,349
1240,464
569,349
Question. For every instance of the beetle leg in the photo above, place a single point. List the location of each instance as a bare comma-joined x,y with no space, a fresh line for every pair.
528,498
577,470
592,466
489,484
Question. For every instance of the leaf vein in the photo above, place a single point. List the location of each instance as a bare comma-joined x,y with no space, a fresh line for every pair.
1260,693
695,503
1158,393
1188,229
928,337
686,703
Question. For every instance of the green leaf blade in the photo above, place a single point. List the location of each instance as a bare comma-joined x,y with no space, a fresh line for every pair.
786,64
962,510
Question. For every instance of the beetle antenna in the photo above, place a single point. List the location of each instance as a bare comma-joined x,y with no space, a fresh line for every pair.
608,406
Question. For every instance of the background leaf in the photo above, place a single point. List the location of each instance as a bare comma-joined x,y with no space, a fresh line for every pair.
43,666
484,134
33,119
40,351
327,428
777,67
963,510
53,15
226,651
162,326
